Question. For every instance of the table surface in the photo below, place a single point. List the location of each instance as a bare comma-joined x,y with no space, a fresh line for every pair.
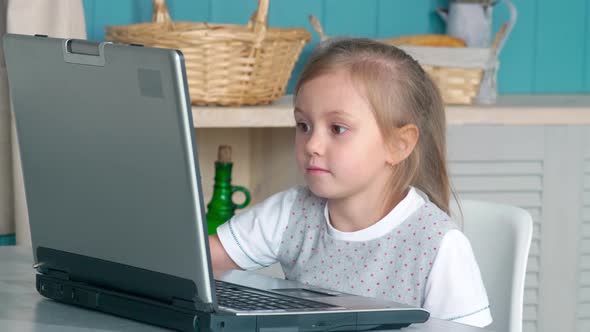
23,309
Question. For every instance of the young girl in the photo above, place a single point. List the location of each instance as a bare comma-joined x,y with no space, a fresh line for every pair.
373,218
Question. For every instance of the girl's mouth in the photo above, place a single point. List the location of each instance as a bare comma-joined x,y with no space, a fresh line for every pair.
317,170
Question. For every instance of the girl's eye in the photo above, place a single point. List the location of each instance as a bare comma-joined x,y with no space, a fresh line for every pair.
339,130
303,126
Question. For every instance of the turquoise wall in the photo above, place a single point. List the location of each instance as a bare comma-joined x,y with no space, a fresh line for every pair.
548,51
7,239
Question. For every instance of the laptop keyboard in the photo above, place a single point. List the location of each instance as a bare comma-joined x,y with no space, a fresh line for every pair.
235,297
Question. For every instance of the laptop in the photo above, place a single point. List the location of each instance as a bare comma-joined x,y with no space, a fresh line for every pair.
115,204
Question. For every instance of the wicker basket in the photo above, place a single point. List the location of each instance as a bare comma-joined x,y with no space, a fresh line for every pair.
456,85
226,64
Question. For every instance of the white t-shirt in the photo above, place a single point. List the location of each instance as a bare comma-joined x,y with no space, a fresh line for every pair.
454,290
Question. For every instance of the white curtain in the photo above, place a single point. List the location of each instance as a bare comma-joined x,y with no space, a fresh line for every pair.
55,18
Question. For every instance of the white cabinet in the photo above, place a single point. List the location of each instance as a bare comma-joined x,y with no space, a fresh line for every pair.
506,165
545,170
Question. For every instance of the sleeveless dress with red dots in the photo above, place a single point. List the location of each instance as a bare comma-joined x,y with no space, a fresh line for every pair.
394,266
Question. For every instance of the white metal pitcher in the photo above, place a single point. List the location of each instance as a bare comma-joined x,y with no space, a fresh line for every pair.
471,20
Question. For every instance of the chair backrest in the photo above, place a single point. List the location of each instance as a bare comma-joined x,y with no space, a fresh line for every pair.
501,237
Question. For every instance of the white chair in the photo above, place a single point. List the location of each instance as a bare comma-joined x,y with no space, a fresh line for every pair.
501,237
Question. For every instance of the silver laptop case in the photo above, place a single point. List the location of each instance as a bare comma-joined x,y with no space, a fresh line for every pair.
110,168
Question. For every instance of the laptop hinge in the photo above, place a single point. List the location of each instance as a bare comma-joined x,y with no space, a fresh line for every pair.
192,305
43,268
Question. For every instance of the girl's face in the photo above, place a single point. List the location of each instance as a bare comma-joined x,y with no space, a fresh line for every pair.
339,147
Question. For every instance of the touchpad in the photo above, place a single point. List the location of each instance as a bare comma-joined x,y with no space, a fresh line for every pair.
306,292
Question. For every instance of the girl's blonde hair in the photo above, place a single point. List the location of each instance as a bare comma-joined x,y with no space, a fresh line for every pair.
400,93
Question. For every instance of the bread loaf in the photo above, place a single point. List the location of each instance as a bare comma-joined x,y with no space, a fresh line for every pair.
439,40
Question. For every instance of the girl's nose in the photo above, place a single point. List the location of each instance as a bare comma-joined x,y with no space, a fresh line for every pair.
314,144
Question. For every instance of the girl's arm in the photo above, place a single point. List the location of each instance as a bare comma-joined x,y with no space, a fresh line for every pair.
219,257
455,289
250,240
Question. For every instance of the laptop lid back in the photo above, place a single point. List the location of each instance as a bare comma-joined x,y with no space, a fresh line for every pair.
110,166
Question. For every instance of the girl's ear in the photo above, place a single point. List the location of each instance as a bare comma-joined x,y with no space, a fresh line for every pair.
403,143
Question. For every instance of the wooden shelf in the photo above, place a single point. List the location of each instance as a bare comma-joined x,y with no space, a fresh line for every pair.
278,114
509,110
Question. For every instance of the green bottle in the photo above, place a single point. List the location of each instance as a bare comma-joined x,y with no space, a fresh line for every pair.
221,207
